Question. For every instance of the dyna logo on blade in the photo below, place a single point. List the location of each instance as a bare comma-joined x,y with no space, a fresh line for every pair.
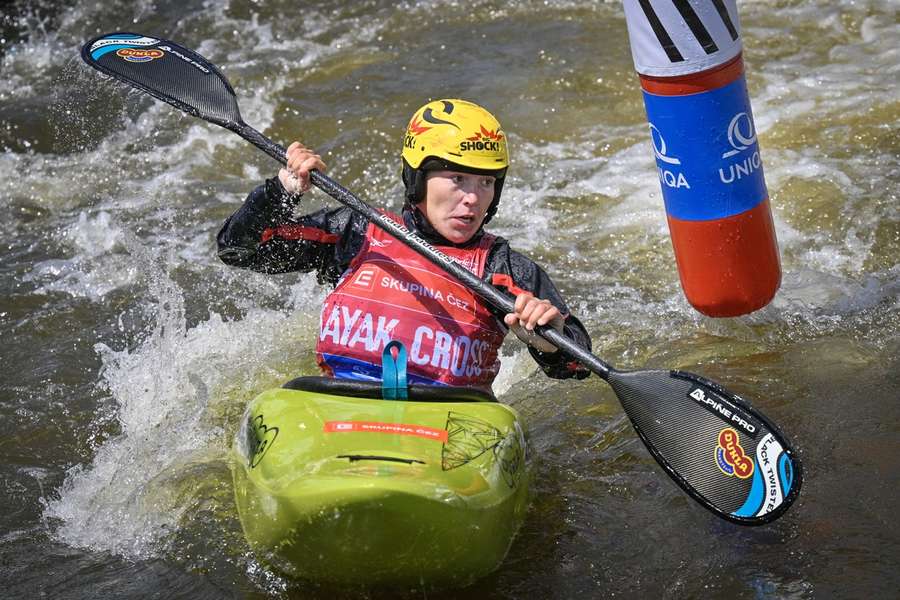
140,54
730,456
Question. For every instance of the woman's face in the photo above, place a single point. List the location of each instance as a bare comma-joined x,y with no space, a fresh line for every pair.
456,203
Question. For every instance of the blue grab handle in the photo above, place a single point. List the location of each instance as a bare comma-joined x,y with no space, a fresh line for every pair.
393,372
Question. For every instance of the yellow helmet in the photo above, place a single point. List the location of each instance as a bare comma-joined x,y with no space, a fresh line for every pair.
457,135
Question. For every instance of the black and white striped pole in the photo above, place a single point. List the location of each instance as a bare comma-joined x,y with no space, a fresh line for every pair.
688,54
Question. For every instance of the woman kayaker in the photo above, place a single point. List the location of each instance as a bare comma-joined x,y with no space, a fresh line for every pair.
454,164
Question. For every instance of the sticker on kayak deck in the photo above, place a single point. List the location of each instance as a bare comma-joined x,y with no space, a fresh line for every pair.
730,456
260,438
470,437
429,433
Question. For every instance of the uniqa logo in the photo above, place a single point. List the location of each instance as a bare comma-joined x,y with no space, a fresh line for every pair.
139,54
659,146
741,134
669,178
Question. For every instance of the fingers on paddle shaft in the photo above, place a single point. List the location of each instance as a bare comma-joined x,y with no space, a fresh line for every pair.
719,449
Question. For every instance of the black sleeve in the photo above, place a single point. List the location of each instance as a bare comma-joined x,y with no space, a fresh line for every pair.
514,272
263,235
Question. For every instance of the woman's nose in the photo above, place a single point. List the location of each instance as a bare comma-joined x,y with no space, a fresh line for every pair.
470,196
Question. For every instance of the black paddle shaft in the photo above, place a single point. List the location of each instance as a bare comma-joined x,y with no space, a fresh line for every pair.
416,243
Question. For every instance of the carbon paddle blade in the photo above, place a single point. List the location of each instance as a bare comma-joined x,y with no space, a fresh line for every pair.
166,71
724,453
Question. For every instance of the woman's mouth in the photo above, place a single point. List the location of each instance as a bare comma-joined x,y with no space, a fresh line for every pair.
464,219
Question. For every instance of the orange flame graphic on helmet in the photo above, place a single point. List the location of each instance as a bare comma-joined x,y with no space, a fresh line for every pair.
486,134
415,127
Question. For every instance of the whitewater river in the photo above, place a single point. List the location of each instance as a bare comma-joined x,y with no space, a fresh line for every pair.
129,350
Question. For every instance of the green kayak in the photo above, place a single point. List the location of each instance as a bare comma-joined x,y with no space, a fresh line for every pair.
335,484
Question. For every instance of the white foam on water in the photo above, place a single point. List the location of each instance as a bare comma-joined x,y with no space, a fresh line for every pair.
578,170
75,278
21,61
514,367
490,9
167,416
810,292
173,393
829,93
94,236
143,173
98,266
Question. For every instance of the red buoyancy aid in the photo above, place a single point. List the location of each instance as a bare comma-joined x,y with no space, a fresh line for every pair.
391,293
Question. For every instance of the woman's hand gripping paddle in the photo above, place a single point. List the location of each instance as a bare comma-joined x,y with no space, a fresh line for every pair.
719,449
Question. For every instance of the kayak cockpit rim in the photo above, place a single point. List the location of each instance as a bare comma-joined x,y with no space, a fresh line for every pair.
373,389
